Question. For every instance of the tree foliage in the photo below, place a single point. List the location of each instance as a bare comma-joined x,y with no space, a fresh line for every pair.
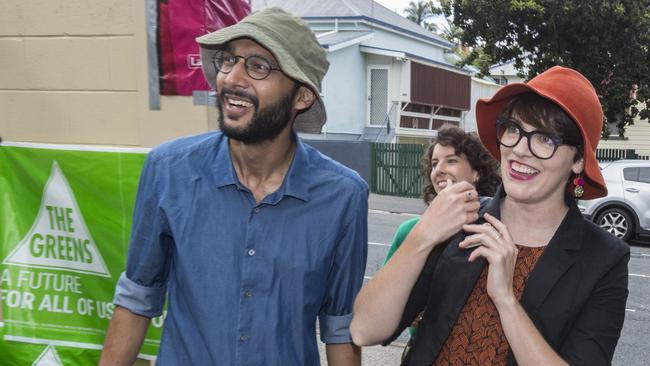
422,12
606,40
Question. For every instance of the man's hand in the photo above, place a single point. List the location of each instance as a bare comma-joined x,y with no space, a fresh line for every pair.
124,338
343,354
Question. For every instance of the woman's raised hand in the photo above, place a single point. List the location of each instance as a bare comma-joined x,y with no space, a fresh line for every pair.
496,246
453,207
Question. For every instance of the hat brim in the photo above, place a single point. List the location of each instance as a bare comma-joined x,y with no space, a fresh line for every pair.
310,120
487,111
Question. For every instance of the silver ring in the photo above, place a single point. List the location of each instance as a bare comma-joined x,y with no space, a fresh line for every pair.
468,194
498,237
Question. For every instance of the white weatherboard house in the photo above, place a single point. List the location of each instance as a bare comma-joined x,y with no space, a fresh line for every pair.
637,137
388,80
505,73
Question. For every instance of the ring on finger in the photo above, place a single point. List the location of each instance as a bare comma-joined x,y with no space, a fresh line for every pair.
468,194
498,237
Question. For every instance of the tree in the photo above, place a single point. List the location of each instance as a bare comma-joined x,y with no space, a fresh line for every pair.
606,40
422,12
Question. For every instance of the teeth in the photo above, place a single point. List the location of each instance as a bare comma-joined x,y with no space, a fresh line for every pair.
524,169
239,103
442,184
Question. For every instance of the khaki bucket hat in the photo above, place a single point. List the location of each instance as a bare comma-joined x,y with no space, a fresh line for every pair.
569,90
293,45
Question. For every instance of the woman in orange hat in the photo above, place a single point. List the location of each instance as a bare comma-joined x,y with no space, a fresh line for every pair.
531,282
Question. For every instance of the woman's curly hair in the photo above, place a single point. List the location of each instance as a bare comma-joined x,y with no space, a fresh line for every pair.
465,144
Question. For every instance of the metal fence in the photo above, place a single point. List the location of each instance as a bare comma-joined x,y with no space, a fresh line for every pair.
618,154
396,168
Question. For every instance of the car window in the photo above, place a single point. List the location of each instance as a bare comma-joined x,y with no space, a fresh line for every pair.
644,175
631,174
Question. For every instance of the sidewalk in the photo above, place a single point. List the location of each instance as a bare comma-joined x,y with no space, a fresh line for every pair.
396,204
373,356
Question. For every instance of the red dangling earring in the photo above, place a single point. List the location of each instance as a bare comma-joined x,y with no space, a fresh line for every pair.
579,184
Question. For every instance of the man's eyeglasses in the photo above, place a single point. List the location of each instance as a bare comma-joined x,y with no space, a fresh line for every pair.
540,143
257,67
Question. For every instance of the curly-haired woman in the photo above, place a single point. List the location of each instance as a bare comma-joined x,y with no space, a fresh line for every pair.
454,155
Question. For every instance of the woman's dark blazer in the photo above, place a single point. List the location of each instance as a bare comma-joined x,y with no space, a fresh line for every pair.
575,295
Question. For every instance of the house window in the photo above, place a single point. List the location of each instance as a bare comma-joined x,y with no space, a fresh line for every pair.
428,117
417,108
501,80
613,129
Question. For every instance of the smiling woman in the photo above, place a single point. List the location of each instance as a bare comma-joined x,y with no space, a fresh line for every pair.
458,155
531,282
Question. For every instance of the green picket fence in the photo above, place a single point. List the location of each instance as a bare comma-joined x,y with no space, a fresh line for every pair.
396,168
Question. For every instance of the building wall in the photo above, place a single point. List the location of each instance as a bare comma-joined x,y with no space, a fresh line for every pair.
481,89
75,71
637,137
508,72
345,91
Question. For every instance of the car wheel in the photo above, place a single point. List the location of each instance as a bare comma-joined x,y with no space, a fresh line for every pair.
616,221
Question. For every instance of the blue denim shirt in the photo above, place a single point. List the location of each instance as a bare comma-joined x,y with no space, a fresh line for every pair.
245,282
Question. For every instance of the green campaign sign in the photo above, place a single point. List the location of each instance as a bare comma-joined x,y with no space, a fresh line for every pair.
65,220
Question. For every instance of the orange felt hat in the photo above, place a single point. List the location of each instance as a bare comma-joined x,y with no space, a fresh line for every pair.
569,90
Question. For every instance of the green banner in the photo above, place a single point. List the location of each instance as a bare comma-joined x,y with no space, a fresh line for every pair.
65,220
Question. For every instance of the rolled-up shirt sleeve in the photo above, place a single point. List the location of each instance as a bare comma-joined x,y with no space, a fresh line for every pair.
142,287
346,276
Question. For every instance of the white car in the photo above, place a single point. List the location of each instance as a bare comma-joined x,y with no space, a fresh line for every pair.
625,211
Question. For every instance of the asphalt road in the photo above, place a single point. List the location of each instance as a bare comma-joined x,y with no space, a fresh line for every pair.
385,216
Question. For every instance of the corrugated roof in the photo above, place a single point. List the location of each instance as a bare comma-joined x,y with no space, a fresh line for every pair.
340,37
425,59
354,10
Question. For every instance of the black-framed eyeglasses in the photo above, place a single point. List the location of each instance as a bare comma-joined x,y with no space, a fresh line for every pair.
257,67
541,144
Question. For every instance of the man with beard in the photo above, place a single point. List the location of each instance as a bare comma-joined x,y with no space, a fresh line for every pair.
249,233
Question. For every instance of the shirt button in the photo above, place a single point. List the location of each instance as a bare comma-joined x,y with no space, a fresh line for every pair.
248,294
256,210
251,252
243,338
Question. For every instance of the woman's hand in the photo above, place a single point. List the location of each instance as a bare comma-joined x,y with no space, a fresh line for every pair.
453,207
496,246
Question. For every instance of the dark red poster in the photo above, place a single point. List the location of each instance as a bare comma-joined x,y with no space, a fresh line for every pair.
179,23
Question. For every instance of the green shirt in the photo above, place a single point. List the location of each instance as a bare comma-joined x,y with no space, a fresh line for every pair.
402,232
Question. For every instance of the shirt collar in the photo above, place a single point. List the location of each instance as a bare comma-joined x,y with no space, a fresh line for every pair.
295,184
224,170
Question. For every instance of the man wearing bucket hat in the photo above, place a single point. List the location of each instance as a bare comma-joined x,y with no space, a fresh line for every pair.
251,234
531,282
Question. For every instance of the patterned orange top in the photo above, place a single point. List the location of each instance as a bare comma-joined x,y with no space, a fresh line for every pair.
477,338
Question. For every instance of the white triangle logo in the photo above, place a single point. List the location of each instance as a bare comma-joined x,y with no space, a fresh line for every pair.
49,357
59,238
